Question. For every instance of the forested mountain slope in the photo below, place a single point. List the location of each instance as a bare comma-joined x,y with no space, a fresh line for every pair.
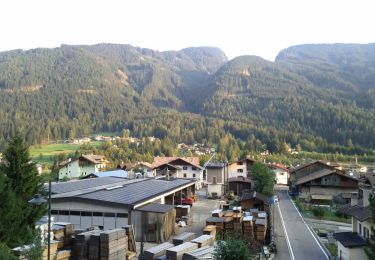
319,96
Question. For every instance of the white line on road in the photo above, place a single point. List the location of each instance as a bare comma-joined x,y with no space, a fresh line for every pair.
303,220
286,234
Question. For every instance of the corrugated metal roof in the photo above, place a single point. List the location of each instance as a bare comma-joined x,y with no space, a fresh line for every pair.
130,193
156,207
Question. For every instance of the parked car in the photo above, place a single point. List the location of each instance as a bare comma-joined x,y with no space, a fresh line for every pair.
185,201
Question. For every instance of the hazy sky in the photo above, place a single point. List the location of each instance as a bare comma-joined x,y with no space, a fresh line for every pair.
261,27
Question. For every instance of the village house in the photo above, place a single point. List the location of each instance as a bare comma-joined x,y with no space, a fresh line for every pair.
137,170
281,173
215,179
179,167
351,244
82,166
239,185
240,168
320,183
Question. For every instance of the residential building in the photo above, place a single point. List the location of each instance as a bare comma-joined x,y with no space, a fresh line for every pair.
109,202
138,170
82,166
320,182
351,244
240,168
281,173
179,167
116,173
240,185
215,179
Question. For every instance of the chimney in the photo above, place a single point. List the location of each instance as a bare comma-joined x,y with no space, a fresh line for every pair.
353,198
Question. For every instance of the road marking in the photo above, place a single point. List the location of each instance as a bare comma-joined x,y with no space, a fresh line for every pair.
286,234
303,220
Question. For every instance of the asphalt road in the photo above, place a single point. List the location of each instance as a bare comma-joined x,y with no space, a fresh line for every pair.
300,241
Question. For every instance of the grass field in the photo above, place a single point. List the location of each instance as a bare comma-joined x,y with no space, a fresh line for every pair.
44,153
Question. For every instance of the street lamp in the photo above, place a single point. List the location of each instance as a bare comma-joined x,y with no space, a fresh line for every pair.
38,200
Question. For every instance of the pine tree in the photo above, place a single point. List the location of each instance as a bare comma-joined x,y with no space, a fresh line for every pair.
19,182
370,249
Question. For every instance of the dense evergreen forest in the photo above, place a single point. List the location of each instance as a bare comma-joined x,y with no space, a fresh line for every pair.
317,97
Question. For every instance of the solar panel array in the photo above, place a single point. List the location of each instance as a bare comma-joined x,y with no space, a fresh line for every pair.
64,187
135,193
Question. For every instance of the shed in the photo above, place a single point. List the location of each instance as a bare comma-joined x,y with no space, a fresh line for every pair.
155,221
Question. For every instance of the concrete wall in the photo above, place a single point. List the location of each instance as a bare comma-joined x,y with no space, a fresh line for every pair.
361,226
88,214
281,176
318,190
218,173
218,188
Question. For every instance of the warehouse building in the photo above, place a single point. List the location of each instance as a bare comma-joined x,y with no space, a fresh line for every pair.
108,202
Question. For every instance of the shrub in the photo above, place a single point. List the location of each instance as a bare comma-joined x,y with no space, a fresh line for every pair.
318,212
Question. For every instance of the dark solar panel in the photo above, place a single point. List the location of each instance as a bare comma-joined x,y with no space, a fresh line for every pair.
63,187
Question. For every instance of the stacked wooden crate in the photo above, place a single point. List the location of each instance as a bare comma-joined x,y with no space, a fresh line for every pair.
237,223
248,230
63,255
131,238
94,246
63,232
217,213
183,237
182,210
260,229
229,226
254,212
157,251
210,230
219,223
53,250
81,245
177,252
203,240
113,244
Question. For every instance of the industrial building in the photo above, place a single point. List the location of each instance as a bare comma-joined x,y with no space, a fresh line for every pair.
108,202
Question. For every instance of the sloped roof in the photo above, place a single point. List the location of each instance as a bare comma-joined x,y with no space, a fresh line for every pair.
254,195
63,187
127,193
97,159
349,239
279,166
158,161
320,174
156,207
215,165
309,164
357,211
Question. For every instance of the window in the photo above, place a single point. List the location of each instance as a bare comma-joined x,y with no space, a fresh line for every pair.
64,212
54,212
193,175
194,168
97,214
109,215
75,213
184,175
239,170
86,214
360,229
184,167
122,215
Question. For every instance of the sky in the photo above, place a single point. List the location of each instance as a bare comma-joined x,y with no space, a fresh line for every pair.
238,27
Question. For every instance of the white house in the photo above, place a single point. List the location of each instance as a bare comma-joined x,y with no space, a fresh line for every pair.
240,168
179,167
281,173
350,245
82,166
215,179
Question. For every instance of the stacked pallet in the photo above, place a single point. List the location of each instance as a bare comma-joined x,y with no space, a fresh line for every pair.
63,232
182,210
94,246
262,214
53,250
237,209
183,237
229,226
219,223
248,230
260,229
204,252
229,214
131,238
177,252
210,230
81,245
113,244
203,240
63,255
237,223
157,251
